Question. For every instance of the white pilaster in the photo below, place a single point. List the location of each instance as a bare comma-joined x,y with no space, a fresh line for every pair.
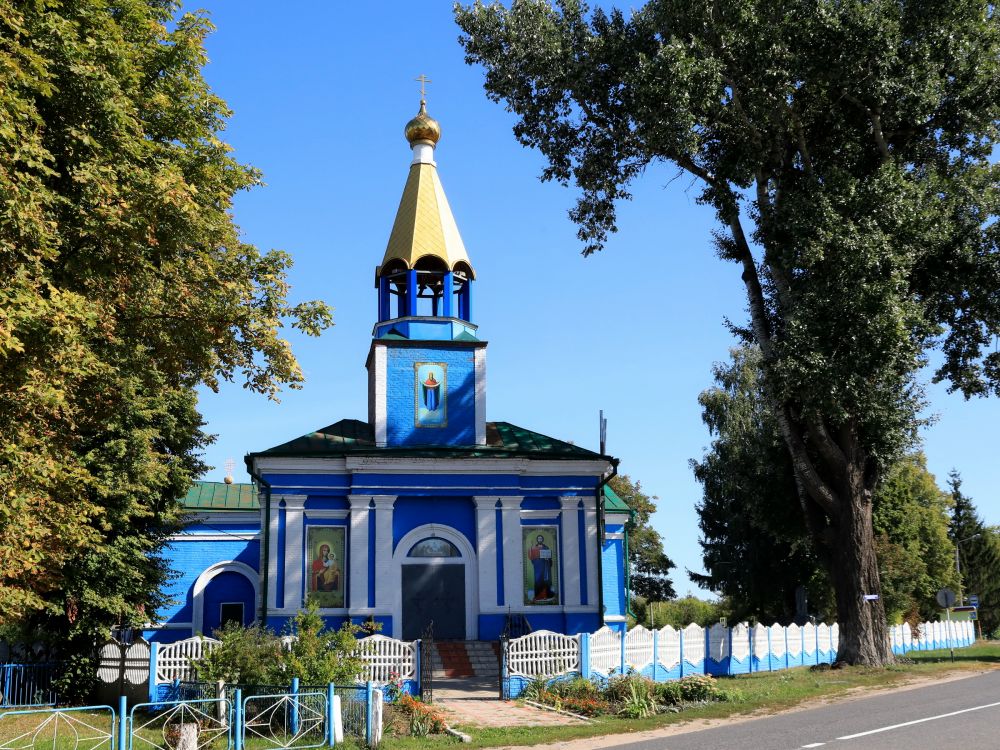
384,584
358,564
480,396
486,551
377,393
590,538
294,505
571,552
513,572
272,561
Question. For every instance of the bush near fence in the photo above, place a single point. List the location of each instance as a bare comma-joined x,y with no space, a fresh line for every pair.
670,654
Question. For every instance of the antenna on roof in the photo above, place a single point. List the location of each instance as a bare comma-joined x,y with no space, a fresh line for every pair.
230,465
604,433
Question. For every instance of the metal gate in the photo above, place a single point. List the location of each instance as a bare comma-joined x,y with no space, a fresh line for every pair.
427,664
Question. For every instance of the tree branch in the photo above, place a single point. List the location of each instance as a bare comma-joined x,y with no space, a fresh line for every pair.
874,116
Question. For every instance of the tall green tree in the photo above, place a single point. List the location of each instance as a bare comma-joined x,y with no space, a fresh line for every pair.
755,547
649,566
123,287
978,554
845,147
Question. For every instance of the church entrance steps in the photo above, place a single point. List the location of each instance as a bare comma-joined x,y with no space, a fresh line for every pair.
451,659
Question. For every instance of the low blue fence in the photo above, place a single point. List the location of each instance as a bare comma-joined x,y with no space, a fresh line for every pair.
27,685
296,719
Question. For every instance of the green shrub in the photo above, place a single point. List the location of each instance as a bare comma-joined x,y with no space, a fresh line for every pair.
639,701
248,655
668,693
578,687
318,654
698,687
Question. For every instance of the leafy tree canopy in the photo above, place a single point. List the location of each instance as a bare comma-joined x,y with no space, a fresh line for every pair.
845,147
979,556
124,285
649,566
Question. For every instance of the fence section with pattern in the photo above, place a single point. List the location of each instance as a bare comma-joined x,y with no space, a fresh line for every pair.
668,654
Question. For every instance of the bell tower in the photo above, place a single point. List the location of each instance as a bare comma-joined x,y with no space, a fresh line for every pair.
426,365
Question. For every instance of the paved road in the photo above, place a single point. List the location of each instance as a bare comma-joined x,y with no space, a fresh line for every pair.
963,714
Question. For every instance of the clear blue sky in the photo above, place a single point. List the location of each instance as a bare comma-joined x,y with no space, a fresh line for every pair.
320,93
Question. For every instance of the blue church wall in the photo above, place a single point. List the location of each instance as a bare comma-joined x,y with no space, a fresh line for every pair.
459,396
541,503
411,512
228,586
191,557
326,503
612,567
492,625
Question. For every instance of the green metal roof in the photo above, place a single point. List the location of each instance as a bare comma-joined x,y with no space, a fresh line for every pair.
612,502
221,496
503,440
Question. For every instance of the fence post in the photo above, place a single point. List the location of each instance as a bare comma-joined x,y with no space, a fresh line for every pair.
368,713
585,655
624,634
707,650
154,653
680,649
729,658
656,651
122,721
238,720
295,705
331,735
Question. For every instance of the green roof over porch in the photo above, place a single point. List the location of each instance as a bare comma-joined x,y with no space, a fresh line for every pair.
221,496
503,440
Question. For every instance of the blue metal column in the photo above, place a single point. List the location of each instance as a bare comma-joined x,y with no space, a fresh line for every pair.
154,652
585,655
122,722
238,720
411,292
383,299
368,713
448,295
295,705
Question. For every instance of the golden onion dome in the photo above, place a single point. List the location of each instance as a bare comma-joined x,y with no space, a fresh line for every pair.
423,128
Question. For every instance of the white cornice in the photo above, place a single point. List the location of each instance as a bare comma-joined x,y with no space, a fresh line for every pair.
416,465
244,517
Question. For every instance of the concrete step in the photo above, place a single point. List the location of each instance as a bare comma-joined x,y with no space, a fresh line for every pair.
454,659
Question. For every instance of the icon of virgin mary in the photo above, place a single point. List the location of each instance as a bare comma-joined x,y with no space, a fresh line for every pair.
432,393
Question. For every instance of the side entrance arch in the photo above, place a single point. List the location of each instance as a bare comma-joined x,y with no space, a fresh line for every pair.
226,591
434,568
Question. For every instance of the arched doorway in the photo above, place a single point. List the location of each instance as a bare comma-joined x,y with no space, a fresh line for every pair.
227,591
437,582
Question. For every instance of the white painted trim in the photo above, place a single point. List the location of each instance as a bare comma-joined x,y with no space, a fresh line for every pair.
411,465
480,396
593,553
198,590
513,570
541,512
293,465
242,517
292,501
380,410
615,535
468,560
384,508
340,513
215,537
616,517
614,618
272,561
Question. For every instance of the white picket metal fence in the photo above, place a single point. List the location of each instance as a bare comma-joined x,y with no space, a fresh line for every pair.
544,654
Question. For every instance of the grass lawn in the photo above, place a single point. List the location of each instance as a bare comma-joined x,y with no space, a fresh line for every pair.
763,692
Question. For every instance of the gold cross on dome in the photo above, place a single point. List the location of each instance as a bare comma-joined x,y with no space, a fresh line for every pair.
424,80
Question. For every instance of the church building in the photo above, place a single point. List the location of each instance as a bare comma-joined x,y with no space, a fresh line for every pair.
427,512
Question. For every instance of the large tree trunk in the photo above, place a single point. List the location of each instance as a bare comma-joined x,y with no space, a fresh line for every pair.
864,633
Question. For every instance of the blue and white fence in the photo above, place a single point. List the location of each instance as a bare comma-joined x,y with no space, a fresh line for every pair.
669,654
280,721
385,660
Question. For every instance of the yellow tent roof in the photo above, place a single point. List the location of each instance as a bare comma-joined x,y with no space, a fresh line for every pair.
424,224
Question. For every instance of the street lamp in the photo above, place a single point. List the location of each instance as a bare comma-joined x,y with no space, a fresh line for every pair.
958,565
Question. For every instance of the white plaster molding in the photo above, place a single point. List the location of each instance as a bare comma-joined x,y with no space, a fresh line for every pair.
593,554
272,561
616,517
486,501
292,501
166,626
359,501
339,513
570,502
228,516
384,501
221,536
541,512
480,396
293,465
614,535
198,590
526,466
468,559
614,618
